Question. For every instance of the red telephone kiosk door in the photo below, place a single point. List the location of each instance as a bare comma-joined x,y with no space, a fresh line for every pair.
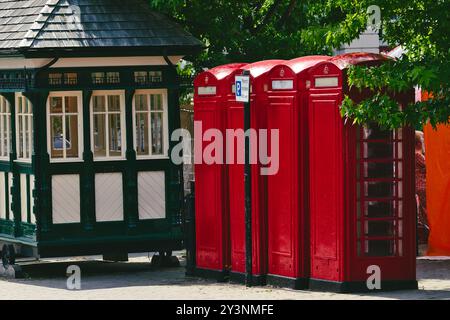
235,118
211,192
288,261
361,190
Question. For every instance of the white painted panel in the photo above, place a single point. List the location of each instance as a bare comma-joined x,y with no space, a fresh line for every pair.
10,182
66,198
2,196
23,198
20,63
33,217
108,197
151,195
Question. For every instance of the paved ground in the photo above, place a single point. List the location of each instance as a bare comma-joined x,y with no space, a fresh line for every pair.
136,280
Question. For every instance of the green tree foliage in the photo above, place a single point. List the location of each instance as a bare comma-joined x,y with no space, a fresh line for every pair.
263,29
422,28
244,31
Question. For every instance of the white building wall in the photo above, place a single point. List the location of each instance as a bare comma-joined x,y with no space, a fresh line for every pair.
368,41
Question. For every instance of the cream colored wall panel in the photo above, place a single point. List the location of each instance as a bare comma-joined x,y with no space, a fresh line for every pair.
151,195
66,198
2,196
33,217
23,198
10,182
108,197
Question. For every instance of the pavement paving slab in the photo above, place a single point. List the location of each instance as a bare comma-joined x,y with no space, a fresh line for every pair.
137,280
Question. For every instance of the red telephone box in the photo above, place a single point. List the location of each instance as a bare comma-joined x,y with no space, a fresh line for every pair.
288,260
211,191
235,118
361,189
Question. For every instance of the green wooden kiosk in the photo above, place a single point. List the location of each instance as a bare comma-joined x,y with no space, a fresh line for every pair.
88,99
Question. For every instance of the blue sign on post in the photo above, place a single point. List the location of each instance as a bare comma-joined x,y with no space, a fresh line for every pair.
238,88
242,84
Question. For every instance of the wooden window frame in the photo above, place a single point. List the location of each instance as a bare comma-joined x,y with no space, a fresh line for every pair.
148,93
123,127
24,117
63,94
4,130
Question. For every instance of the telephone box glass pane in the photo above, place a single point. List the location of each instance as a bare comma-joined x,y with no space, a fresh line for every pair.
378,169
379,228
379,189
373,150
379,209
380,248
375,133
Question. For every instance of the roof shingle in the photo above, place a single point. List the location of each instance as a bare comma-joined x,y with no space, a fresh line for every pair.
70,24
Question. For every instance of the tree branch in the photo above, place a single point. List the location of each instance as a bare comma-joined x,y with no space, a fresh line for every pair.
270,13
288,12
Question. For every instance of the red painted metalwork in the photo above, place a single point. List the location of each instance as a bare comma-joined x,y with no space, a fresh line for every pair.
235,120
362,208
211,194
288,236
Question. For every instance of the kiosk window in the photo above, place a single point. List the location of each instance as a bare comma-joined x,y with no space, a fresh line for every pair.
24,128
151,129
64,118
5,128
108,126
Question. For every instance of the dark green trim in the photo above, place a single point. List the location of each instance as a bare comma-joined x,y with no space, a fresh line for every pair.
64,248
40,161
174,180
84,79
89,236
28,199
7,228
87,182
130,177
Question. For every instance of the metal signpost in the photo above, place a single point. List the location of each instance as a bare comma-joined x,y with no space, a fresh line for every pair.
243,95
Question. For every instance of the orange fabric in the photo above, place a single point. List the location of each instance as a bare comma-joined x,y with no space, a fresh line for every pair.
437,153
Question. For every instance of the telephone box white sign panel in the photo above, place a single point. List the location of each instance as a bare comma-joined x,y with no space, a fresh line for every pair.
242,88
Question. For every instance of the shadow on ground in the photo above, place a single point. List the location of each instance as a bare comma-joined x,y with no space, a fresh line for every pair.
433,275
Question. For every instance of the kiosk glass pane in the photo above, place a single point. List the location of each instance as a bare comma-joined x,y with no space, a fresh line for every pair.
99,135
57,136
115,138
